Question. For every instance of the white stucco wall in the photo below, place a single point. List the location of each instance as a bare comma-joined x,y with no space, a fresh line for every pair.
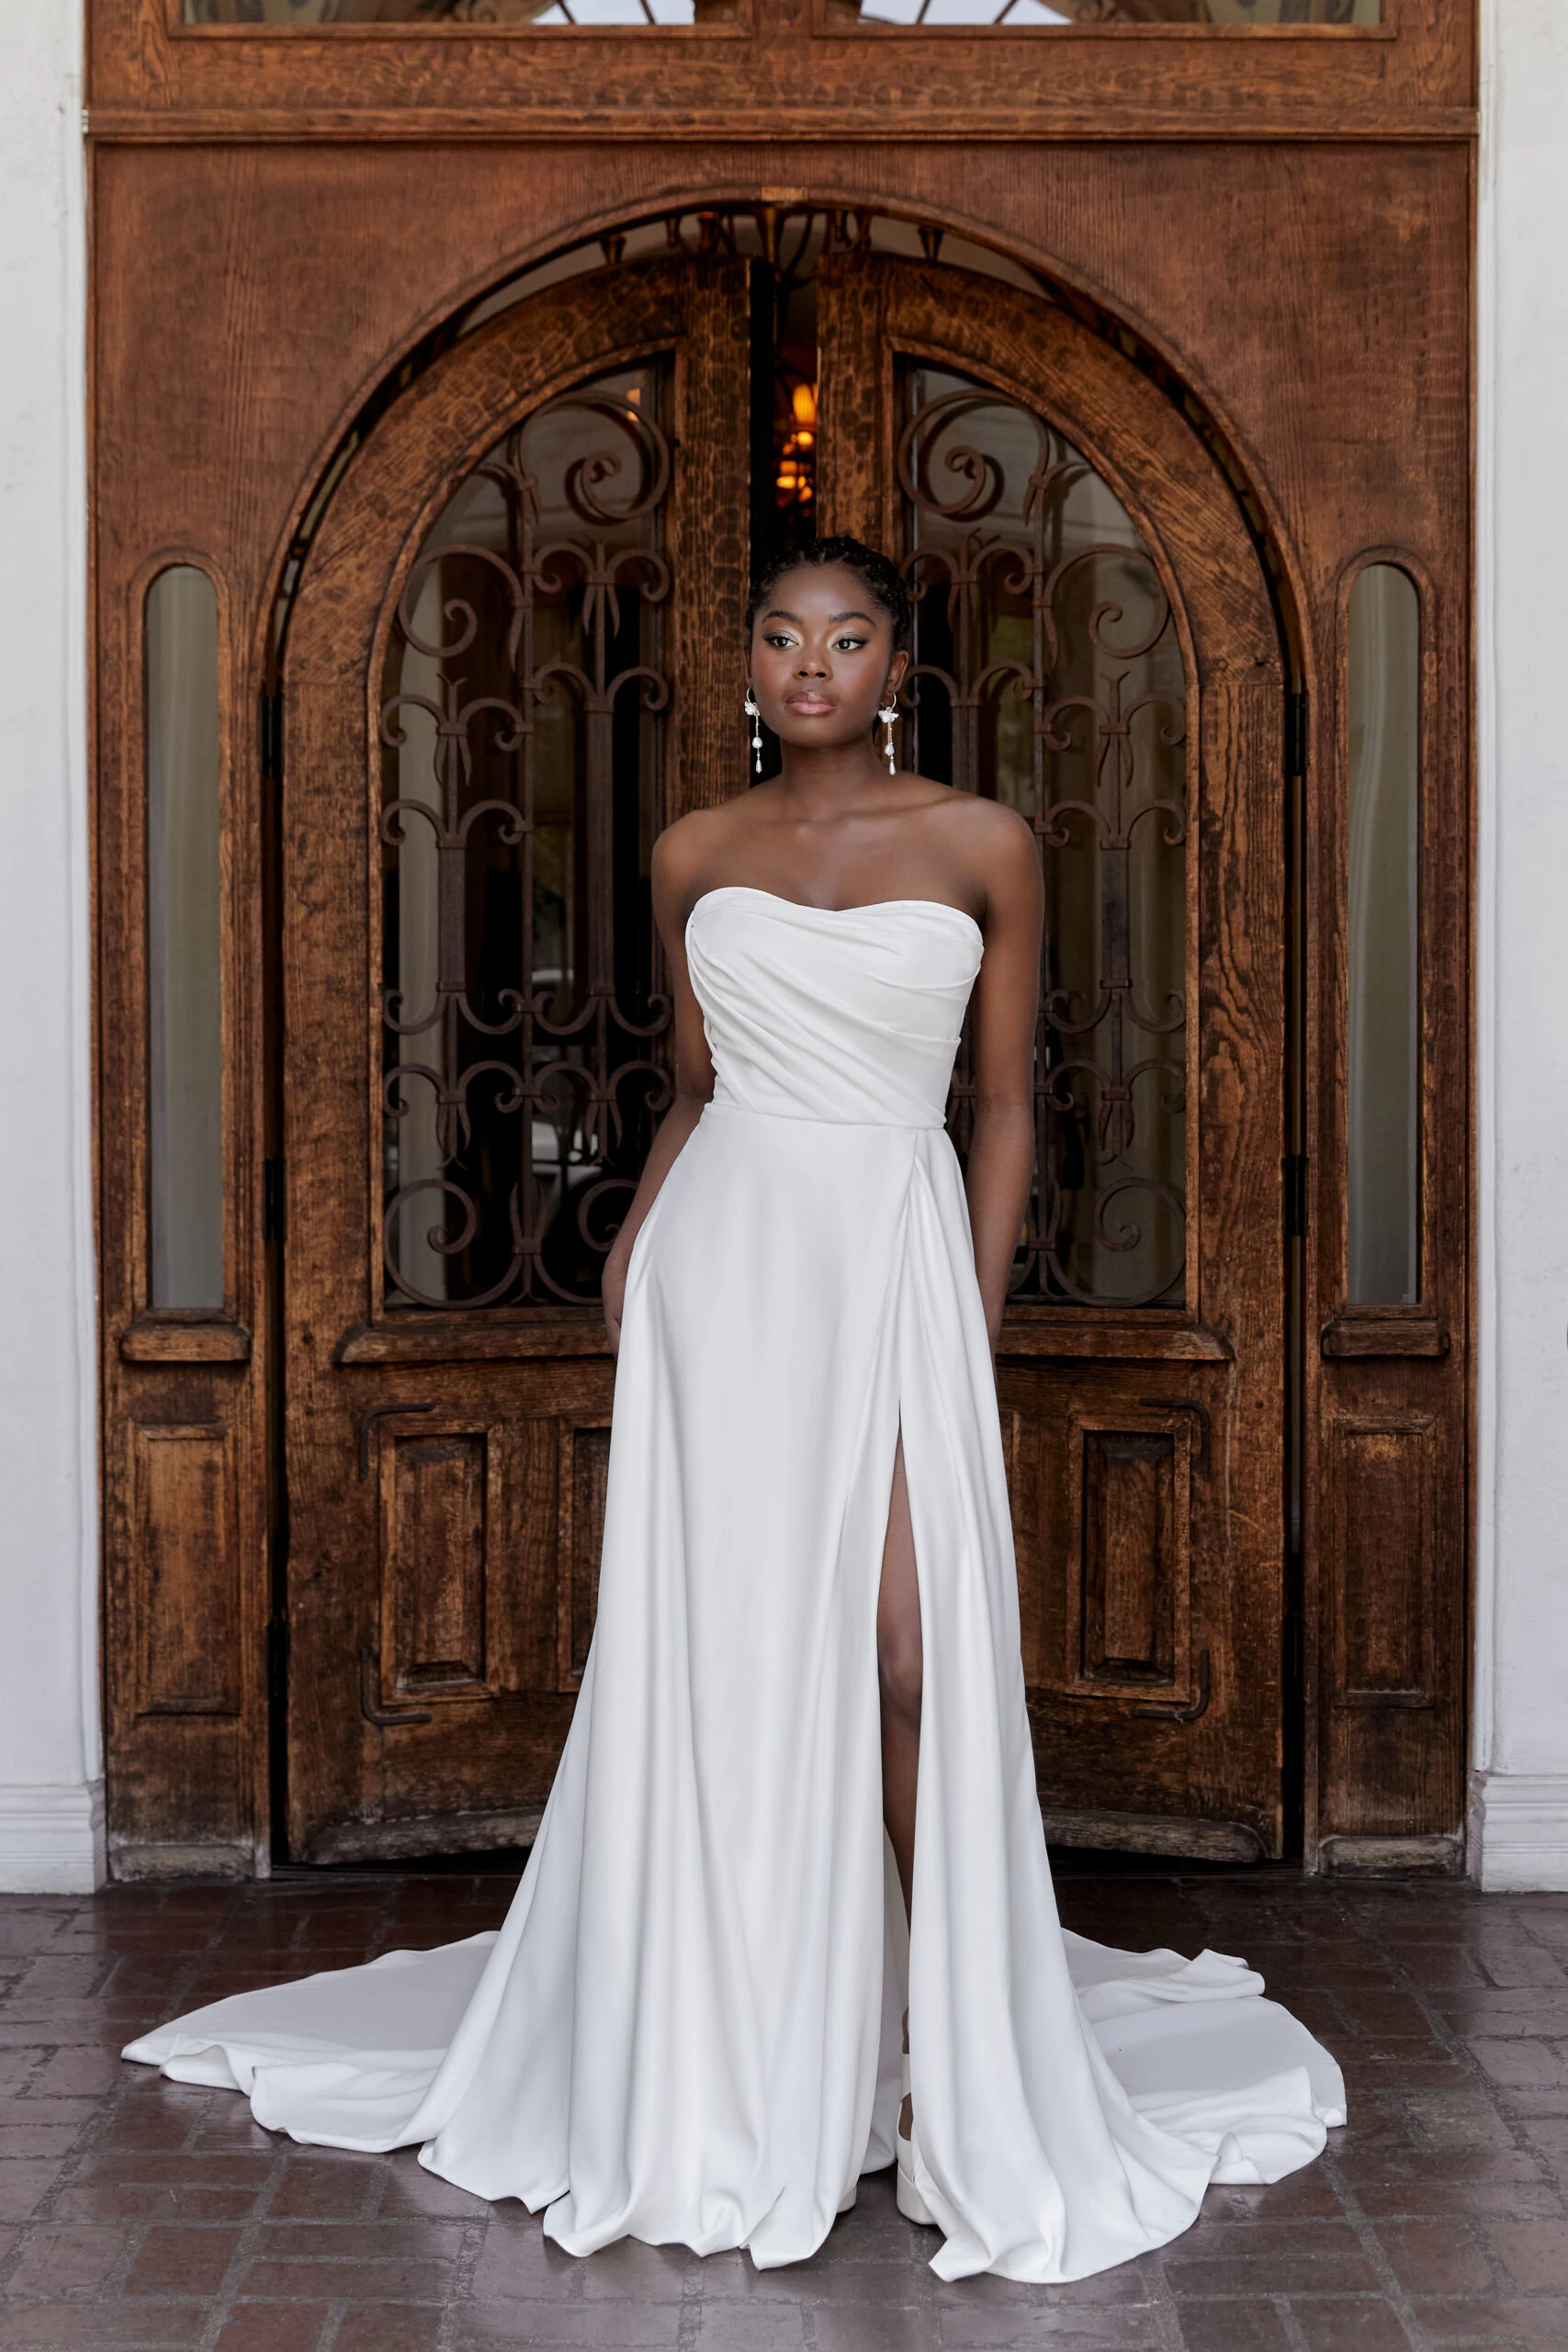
51,1834
50,1795
1519,1816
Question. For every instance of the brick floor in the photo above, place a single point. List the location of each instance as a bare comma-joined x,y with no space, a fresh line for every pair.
138,2213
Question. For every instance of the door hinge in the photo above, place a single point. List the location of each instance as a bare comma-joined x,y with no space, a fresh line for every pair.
275,1201
1295,1195
271,728
1297,733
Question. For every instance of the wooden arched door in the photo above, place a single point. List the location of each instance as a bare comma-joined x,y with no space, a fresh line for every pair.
514,656
1096,644
509,664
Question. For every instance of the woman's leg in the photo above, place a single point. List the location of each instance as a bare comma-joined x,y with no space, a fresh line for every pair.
898,1673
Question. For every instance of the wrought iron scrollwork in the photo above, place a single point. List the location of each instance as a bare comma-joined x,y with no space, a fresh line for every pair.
1047,670
521,1078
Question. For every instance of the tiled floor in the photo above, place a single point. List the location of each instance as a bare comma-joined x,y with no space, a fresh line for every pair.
137,2213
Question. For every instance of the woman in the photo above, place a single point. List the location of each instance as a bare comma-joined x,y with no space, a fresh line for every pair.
806,1661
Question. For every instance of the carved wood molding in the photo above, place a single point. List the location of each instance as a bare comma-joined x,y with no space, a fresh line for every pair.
829,124
787,70
1393,1334
178,1343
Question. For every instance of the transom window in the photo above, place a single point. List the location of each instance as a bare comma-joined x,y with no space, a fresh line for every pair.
1010,16
1044,16
327,16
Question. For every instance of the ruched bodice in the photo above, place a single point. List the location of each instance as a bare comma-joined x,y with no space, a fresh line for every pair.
848,1015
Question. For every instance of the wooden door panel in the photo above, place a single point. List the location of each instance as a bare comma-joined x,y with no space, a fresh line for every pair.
443,1726
1382,1496
185,1518
447,1429
1393,1632
443,1518
1142,1664
1111,1480
1387,1414
1128,1590
1146,1440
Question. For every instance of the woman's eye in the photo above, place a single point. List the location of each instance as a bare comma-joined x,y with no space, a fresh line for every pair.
848,644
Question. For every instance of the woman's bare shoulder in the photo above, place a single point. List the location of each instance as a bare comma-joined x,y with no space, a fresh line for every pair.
993,843
692,846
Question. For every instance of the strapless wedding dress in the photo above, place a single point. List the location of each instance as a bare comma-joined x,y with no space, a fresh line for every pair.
688,2028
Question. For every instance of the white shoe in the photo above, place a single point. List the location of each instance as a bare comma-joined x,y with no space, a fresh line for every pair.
910,2203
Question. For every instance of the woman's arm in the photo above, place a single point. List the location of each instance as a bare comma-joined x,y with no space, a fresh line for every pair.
693,1073
1006,1004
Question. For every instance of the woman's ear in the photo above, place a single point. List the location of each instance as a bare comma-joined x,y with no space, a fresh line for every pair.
897,669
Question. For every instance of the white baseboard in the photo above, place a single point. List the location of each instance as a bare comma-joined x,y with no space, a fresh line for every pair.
1518,1832
52,1837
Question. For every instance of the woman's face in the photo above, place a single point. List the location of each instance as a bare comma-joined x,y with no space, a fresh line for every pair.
822,658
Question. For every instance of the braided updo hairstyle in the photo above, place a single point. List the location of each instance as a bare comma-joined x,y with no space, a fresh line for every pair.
884,582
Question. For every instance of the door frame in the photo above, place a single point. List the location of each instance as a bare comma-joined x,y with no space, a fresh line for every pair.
188,1785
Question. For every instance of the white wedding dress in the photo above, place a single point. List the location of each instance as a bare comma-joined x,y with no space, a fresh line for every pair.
688,2028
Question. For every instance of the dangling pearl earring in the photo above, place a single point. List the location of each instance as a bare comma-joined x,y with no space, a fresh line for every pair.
753,714
885,719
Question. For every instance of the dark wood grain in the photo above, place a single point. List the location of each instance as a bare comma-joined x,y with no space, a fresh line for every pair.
1363,1334
171,1342
185,1509
1383,1496
789,72
1134,1512
441,1539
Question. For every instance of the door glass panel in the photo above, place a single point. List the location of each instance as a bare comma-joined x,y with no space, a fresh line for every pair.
1048,674
1383,1108
323,15
1028,16
185,1027
524,699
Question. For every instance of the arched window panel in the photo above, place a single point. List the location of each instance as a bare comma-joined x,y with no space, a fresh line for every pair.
185,1039
1383,922
1048,674
525,702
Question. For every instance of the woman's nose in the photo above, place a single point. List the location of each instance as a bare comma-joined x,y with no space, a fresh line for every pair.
810,665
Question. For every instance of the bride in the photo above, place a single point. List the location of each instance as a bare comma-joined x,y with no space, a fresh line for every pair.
789,1915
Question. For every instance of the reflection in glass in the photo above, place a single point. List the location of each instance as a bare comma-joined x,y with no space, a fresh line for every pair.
1017,16
1048,674
1384,1110
184,939
319,16
524,1035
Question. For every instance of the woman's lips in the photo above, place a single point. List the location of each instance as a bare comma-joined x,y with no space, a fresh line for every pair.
808,706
